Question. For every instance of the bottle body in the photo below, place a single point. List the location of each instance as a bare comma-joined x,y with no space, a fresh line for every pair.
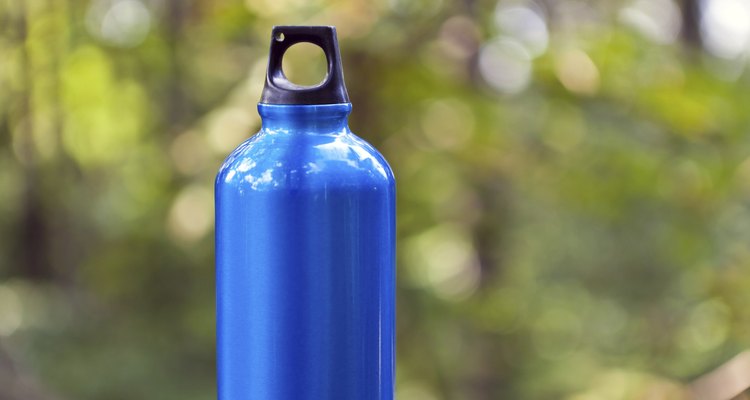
305,262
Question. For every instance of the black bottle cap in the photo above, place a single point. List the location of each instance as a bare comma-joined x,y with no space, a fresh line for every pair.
279,90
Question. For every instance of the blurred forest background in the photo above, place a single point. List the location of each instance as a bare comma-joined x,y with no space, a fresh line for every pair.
574,189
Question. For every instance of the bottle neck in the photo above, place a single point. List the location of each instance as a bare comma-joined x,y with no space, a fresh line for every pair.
322,118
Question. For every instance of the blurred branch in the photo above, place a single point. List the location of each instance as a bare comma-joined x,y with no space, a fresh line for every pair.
490,237
726,382
33,228
177,105
691,34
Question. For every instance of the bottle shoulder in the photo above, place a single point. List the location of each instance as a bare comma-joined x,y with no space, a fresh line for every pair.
273,160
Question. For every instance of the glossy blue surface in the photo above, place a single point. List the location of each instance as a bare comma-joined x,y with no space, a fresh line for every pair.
305,226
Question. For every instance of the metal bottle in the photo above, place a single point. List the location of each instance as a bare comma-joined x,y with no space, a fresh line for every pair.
305,246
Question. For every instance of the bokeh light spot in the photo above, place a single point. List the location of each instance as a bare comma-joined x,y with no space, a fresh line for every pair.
444,259
658,20
577,72
459,37
525,23
191,216
230,126
124,23
11,314
506,65
725,27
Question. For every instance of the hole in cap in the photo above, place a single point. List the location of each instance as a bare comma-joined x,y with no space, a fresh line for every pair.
305,64
279,37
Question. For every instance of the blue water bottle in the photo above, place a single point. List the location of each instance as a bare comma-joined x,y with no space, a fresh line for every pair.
305,246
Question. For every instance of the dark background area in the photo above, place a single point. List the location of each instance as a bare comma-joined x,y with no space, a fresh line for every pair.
573,189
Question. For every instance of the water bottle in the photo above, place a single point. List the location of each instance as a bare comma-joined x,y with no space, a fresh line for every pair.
305,246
